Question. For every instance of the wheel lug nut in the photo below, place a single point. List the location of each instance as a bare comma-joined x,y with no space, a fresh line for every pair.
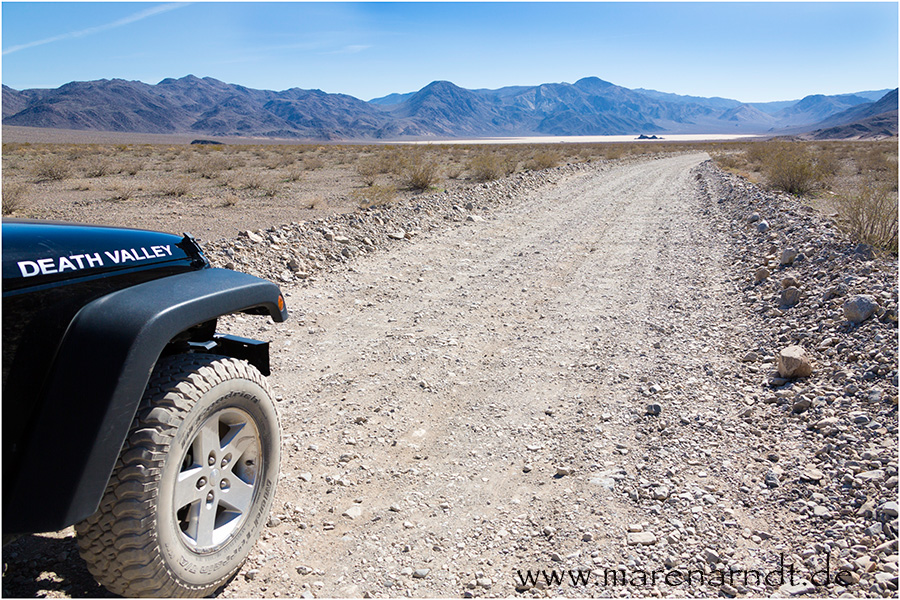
210,497
212,460
201,482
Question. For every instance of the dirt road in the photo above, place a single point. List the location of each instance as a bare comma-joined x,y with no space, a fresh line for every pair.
472,398
554,386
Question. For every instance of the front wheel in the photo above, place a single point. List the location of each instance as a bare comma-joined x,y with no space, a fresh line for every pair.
193,484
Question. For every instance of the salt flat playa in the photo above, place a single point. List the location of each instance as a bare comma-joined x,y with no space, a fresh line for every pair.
589,139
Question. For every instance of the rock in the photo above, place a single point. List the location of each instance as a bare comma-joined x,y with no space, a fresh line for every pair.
397,235
484,582
654,410
859,308
788,282
750,357
889,509
763,226
811,474
790,297
761,274
788,255
643,538
421,573
563,471
753,218
796,589
659,493
256,239
801,405
793,362
354,512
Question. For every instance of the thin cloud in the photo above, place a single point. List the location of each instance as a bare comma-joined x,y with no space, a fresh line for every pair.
98,29
351,49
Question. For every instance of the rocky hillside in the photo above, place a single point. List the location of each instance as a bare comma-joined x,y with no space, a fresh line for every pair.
441,109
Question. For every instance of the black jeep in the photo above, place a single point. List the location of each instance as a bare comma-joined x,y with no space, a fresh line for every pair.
126,413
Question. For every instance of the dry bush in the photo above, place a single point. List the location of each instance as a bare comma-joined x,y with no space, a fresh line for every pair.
52,168
99,167
13,197
791,167
390,160
249,181
420,173
870,215
312,163
454,170
122,192
368,170
132,167
179,187
488,166
294,175
375,195
614,152
544,159
208,167
728,161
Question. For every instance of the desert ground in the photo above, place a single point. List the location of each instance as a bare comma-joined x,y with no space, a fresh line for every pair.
507,368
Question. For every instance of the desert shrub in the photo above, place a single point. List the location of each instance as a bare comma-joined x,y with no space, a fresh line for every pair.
390,160
312,163
614,152
208,166
179,187
757,152
792,168
99,167
420,173
13,197
486,166
294,175
250,181
132,167
870,215
229,201
454,170
368,170
52,168
544,159
122,192
727,161
375,195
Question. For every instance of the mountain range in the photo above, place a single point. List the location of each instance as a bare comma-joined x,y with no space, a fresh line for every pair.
590,106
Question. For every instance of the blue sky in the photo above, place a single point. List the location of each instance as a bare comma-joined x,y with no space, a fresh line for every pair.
752,52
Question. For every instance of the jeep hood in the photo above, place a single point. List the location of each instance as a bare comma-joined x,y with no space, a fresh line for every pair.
37,253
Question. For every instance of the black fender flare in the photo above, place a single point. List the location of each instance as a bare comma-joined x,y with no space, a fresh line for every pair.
98,377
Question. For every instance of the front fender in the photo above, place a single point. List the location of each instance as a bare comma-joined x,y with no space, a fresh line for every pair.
96,383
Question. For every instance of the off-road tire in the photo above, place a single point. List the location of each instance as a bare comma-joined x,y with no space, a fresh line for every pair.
139,543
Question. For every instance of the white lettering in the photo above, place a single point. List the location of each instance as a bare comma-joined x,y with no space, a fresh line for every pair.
113,256
144,252
94,259
66,264
77,258
168,249
29,268
47,266
126,255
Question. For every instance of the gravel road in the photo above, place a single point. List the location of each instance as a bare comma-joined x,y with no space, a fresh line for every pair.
555,384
